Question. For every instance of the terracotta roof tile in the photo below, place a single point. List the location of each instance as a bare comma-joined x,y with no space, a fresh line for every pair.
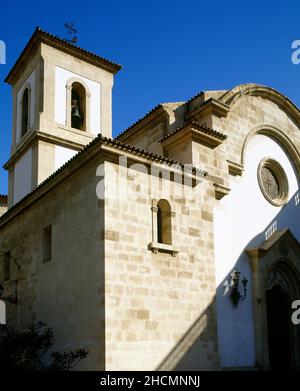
55,40
200,127
159,106
122,146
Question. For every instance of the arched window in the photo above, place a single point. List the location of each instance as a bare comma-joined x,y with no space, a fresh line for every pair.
164,226
78,106
25,112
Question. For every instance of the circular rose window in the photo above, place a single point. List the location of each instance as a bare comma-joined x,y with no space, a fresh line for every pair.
273,181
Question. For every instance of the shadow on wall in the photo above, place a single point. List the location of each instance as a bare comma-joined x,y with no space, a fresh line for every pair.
235,348
197,349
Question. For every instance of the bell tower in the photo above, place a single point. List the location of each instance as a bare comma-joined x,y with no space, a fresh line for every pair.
61,102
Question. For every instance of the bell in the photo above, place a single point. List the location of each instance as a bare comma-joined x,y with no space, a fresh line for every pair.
75,115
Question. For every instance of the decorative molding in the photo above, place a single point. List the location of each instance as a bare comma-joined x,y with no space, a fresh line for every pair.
220,191
271,131
210,107
164,248
266,263
276,278
232,96
235,169
254,253
204,138
194,131
101,147
38,135
274,173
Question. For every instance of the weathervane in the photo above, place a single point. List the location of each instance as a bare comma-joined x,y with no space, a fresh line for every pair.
70,27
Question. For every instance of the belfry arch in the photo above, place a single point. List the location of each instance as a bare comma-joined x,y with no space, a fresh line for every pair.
85,104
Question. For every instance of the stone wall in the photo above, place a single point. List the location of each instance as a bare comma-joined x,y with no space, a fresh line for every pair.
3,209
160,310
67,291
254,109
3,205
103,289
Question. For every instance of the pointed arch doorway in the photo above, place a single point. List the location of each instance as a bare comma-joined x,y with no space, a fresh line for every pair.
276,284
280,332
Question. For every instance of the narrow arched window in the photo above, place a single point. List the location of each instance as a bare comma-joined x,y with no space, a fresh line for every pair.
78,106
164,228
25,112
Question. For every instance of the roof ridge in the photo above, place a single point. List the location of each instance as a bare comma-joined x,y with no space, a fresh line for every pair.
67,44
107,140
155,108
159,105
138,150
77,47
195,96
204,127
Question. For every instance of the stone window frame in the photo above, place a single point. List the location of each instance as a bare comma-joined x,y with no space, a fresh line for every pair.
281,177
27,87
155,246
47,241
87,113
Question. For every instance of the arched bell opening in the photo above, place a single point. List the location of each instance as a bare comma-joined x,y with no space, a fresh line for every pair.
78,106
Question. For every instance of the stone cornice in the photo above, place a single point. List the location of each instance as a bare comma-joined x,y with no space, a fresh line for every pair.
238,92
41,136
235,169
283,235
108,149
210,107
196,132
220,191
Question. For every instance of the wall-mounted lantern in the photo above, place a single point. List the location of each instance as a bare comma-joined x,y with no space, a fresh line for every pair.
235,294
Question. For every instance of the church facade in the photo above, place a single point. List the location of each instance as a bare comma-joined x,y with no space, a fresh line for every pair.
175,245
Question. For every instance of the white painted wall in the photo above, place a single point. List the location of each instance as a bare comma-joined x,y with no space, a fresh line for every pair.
23,176
241,221
62,155
31,82
61,78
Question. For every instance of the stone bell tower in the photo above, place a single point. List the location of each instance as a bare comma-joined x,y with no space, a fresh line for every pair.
61,101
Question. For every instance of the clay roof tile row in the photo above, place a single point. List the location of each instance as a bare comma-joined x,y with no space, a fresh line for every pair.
41,34
201,127
114,143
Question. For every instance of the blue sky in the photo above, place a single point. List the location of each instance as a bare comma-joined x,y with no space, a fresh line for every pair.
170,50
